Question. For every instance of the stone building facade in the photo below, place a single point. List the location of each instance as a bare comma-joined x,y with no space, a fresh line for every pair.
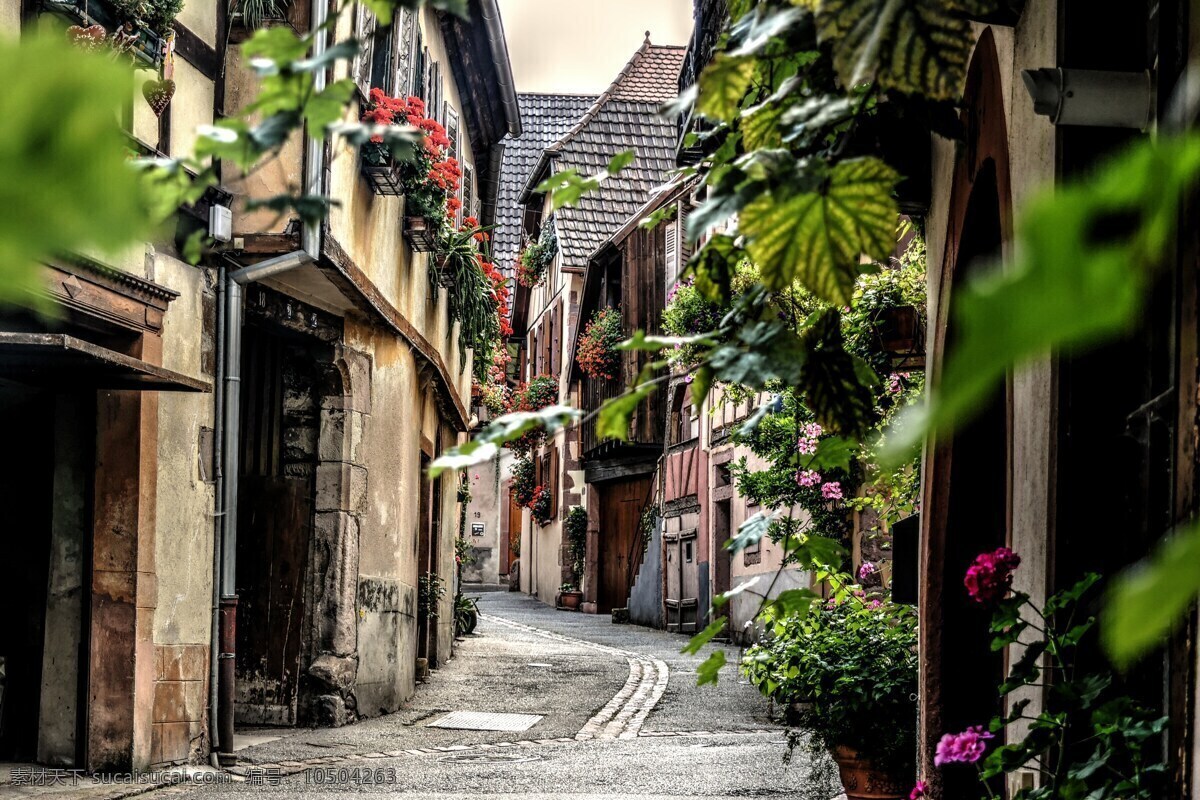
351,381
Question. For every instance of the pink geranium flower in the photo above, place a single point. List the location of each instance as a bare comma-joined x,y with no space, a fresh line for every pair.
866,571
962,748
808,477
832,491
918,792
989,578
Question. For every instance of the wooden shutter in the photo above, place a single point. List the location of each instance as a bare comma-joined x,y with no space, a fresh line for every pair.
552,481
685,249
671,253
364,31
556,357
406,51
468,192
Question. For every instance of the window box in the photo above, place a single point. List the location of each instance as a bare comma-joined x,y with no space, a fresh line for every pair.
383,177
147,47
421,234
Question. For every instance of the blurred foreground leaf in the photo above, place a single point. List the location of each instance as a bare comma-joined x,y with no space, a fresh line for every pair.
1149,599
66,184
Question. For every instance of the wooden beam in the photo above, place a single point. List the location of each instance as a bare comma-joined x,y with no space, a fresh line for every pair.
197,52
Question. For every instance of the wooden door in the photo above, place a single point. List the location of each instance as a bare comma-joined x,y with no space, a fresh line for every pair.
620,540
514,535
683,581
274,528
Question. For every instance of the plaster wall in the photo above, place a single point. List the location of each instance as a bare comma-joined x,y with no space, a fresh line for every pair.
388,447
488,508
184,530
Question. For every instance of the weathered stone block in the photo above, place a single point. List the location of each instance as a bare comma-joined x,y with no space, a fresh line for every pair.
334,674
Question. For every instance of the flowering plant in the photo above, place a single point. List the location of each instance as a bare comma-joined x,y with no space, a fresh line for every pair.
537,257
539,506
688,313
848,669
598,355
523,481
430,178
538,393
1086,740
575,532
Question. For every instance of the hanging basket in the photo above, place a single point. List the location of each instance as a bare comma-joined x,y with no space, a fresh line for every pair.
421,234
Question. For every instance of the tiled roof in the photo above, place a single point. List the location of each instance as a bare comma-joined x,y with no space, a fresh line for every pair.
544,120
624,117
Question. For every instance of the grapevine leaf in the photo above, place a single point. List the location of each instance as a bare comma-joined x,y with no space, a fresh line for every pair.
817,238
502,430
723,84
914,46
749,533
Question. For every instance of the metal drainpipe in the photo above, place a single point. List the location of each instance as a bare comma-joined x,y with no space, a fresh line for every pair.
310,248
219,480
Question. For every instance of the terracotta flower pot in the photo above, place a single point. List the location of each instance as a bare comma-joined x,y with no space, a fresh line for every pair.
421,234
863,780
572,600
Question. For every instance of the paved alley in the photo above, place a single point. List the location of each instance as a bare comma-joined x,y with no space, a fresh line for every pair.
621,716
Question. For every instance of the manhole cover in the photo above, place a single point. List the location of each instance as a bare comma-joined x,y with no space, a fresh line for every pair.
485,721
489,758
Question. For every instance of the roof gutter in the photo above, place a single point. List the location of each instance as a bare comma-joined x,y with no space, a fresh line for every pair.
489,12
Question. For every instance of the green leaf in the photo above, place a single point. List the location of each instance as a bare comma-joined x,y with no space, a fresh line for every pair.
749,533
913,46
744,586
790,603
816,550
621,160
653,344
833,452
723,84
612,421
329,105
711,666
66,181
705,636
702,382
1150,599
817,238
500,431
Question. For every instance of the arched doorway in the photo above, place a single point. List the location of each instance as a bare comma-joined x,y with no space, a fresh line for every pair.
967,483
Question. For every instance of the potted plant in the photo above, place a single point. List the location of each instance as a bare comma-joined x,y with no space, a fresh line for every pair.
848,672
598,355
250,15
569,596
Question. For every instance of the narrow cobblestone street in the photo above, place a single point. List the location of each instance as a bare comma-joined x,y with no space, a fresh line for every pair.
621,716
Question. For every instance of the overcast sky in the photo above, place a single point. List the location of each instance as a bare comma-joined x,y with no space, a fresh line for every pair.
579,46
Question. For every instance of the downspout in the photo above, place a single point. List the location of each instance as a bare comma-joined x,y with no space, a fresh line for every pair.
226,577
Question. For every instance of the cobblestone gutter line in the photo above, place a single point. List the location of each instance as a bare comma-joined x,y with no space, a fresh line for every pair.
623,716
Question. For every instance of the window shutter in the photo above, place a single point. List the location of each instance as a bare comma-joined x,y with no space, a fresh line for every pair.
364,30
685,249
556,358
468,192
671,253
552,480
406,51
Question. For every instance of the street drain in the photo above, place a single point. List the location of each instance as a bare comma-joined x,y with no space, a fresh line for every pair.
486,721
489,758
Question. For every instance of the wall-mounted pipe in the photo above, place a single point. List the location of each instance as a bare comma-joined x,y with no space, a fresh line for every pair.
229,403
